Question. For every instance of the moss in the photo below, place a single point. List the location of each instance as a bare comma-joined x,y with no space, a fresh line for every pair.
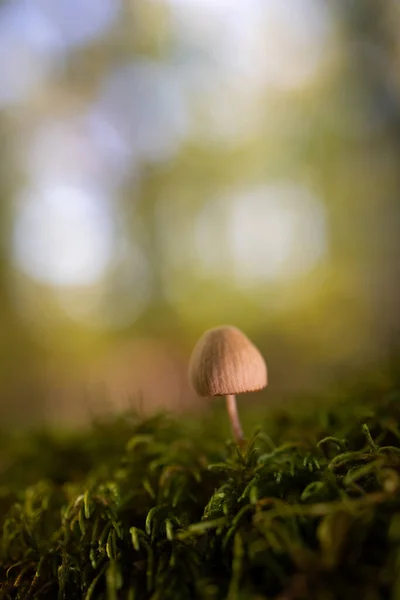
158,509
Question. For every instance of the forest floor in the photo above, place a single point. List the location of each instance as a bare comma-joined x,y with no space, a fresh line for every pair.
159,508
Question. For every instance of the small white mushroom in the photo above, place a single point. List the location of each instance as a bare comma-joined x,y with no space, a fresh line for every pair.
225,362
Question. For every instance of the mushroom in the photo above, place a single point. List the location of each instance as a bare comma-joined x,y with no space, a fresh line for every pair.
225,362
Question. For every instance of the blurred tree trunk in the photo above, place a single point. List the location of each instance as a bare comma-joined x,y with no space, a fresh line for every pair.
21,400
371,56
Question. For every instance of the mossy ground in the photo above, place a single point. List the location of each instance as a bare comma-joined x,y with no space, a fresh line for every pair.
159,509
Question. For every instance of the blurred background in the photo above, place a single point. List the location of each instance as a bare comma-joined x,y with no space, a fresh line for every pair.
171,165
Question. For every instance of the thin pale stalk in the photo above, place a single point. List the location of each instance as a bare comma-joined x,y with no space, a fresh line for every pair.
234,418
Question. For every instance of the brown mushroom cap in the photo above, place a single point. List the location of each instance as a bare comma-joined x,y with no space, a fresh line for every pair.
224,361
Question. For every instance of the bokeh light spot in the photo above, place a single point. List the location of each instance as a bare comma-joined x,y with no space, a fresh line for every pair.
80,150
267,44
30,49
63,236
143,101
263,234
79,21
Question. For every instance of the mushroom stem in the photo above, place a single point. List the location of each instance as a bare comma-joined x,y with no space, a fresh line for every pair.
234,417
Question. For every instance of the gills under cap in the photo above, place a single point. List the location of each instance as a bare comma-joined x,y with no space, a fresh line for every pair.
224,361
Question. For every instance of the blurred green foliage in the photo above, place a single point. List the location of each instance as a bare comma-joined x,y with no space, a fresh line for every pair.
169,116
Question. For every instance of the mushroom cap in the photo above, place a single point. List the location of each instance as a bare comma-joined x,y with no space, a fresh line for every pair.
224,361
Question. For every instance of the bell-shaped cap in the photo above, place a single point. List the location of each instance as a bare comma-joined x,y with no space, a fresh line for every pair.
224,361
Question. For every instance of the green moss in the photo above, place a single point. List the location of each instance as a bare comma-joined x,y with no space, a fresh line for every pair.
159,509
